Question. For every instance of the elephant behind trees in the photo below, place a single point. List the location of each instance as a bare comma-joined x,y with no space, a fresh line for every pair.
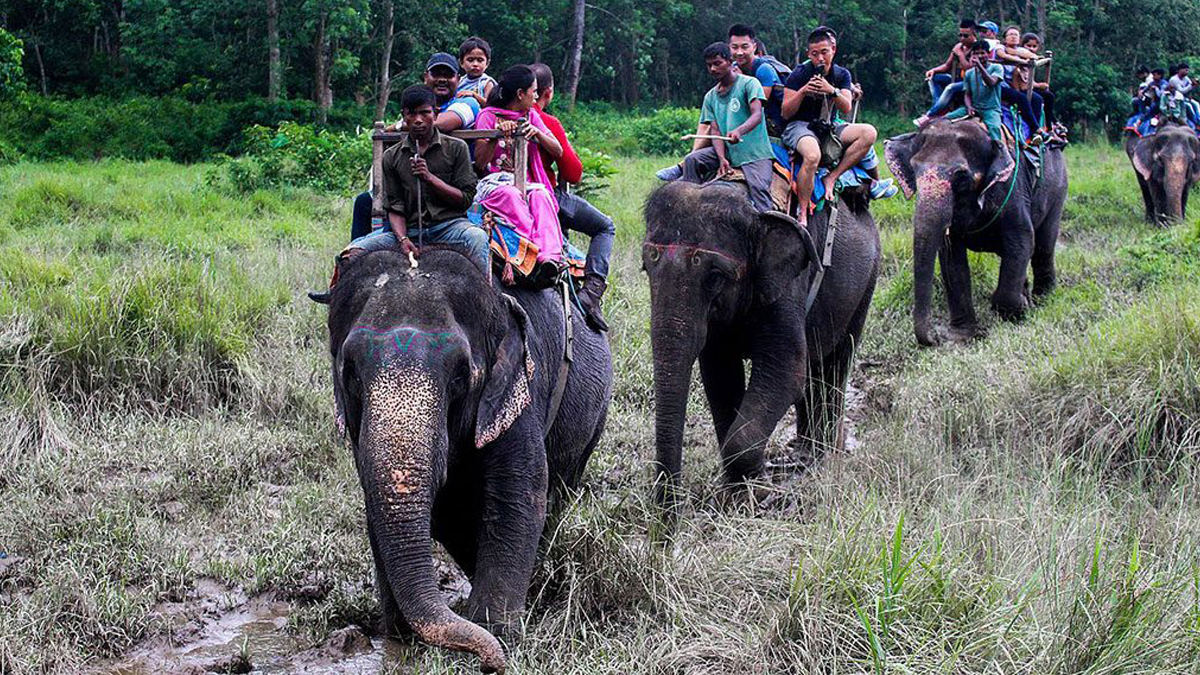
444,384
729,284
1167,165
967,200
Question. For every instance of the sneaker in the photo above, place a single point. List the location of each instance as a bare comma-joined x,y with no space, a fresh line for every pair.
883,188
670,173
921,121
1035,140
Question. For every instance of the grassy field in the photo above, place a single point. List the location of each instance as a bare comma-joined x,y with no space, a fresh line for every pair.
1028,503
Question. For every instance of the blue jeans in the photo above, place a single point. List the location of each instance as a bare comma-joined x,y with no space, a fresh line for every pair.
575,213
458,232
360,226
1029,108
937,83
945,97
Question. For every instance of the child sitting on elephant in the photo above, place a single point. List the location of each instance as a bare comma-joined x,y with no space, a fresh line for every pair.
982,91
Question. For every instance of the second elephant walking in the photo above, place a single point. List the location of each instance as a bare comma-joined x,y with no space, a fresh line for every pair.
728,284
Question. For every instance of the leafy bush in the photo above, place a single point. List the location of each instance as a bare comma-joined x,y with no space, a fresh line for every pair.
148,128
659,133
597,168
297,155
11,53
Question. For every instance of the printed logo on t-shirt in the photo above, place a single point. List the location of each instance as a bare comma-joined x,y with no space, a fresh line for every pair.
735,105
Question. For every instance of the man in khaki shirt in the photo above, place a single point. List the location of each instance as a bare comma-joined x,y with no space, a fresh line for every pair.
428,185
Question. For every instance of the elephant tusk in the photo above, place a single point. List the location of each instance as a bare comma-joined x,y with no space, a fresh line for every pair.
412,260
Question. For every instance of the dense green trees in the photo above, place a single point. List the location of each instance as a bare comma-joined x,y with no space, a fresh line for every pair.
633,52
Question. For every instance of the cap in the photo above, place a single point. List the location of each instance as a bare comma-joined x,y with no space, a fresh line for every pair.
442,59
990,25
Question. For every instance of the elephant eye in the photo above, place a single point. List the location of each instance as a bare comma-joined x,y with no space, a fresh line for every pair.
714,281
653,254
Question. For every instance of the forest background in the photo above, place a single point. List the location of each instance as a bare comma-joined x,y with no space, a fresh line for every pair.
181,79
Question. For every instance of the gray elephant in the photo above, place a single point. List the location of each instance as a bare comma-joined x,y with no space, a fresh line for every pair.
728,284
445,386
1167,164
972,195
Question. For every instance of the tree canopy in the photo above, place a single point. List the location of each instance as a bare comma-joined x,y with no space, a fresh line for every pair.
633,52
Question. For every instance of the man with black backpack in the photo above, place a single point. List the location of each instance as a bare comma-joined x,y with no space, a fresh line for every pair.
769,71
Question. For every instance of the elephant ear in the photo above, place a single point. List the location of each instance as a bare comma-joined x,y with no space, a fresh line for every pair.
999,172
506,392
1143,158
1195,166
898,153
782,250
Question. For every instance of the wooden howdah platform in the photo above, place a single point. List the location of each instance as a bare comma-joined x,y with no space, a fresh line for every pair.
381,140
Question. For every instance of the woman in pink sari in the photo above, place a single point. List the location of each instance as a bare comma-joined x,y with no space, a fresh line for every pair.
535,214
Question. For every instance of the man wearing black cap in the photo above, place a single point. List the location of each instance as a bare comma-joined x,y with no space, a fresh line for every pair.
441,75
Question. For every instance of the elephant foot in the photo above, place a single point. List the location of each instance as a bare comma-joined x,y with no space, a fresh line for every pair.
505,626
960,335
806,454
1041,290
747,494
1012,308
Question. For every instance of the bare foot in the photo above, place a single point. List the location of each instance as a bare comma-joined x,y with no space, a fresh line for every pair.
829,182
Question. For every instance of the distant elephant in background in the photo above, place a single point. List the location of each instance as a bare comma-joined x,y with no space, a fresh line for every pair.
1167,164
971,195
729,284
445,387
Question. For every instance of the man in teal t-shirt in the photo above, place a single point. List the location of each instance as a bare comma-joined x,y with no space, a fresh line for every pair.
733,109
981,90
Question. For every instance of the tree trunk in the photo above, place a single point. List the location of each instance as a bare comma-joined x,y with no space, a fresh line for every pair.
385,59
37,51
1041,19
1025,15
575,55
274,69
321,94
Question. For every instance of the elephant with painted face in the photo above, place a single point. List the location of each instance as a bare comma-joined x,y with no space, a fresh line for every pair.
973,195
445,385
727,284
1167,164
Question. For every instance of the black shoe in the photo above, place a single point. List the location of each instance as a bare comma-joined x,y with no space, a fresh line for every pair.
321,298
591,297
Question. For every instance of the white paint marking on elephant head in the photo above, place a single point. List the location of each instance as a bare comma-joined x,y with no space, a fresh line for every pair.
381,280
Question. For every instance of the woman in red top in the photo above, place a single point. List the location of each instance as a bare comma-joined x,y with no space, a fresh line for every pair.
574,212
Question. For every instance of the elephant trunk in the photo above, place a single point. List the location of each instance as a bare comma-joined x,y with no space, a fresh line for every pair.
676,341
1175,172
402,448
933,215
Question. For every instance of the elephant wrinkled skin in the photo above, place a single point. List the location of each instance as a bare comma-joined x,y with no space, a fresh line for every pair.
444,386
729,284
971,195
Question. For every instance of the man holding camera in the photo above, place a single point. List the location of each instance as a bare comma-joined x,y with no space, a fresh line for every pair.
808,96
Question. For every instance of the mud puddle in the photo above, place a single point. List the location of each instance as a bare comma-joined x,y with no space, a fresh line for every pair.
218,629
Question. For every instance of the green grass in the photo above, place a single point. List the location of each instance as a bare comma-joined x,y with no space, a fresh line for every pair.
1026,503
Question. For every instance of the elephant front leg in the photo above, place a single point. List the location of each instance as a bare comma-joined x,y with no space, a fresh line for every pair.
1045,276
514,514
724,379
956,279
1010,300
775,381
